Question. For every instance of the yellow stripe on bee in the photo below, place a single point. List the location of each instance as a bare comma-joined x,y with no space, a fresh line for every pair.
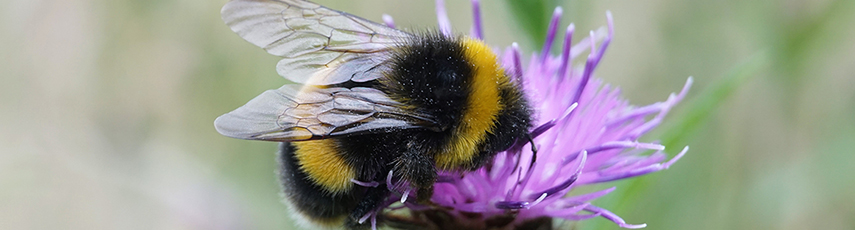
321,160
482,108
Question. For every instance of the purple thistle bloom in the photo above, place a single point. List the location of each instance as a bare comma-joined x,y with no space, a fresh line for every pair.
585,133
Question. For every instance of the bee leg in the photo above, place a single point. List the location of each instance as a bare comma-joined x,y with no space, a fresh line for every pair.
417,168
369,202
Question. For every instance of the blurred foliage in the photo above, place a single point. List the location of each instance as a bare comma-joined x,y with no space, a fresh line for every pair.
533,17
106,110
686,125
700,110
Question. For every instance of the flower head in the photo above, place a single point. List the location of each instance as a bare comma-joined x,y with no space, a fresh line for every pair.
585,134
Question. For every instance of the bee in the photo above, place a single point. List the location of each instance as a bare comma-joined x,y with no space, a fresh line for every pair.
369,102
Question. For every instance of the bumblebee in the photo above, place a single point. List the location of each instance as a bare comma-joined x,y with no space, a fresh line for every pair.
369,101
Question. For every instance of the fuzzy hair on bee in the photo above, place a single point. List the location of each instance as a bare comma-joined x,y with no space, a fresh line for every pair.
369,102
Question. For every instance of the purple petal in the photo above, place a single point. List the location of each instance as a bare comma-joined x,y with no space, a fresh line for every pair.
607,40
589,69
566,183
666,107
550,34
476,20
591,196
612,217
585,43
442,17
587,134
371,184
625,144
580,217
566,60
389,181
639,171
511,204
387,19
518,70
676,158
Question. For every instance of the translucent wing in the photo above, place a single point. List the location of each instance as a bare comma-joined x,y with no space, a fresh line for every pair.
313,38
291,114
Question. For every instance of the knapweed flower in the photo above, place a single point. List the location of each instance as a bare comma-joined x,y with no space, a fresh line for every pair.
585,134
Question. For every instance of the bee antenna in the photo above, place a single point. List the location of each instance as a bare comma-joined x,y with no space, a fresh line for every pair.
533,149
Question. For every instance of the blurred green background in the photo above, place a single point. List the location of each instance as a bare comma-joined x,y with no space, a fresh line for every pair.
106,110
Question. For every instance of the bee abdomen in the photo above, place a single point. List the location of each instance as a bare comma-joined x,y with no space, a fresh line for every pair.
307,200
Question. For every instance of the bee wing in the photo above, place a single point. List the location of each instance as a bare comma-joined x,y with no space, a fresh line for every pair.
289,114
312,38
